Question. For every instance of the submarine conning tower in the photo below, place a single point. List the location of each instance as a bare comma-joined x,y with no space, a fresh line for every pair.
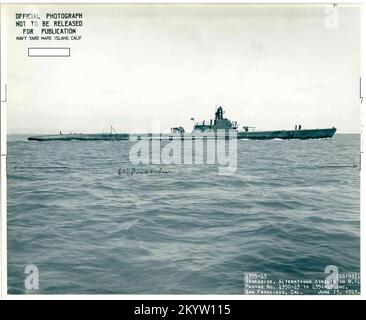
219,114
219,123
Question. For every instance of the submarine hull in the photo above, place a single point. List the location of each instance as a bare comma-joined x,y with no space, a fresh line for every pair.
289,134
242,135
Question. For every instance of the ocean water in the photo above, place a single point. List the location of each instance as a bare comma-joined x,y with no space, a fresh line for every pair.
291,208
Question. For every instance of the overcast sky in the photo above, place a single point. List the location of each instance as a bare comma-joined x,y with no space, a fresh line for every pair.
136,65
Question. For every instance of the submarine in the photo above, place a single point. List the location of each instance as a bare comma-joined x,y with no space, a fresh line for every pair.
218,128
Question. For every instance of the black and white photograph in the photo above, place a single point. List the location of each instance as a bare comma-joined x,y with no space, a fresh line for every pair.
181,149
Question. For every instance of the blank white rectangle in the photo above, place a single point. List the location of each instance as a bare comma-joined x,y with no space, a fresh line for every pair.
48,52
